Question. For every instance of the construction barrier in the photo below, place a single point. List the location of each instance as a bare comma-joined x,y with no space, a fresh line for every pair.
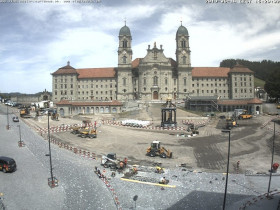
259,198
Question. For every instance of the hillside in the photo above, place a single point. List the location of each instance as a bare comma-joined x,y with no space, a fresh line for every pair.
262,69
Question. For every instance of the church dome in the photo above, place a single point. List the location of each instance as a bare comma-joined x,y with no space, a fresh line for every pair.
125,31
182,31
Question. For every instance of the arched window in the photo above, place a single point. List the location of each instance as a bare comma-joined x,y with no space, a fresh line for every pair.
124,59
124,81
166,81
144,81
185,81
155,80
124,44
184,60
183,43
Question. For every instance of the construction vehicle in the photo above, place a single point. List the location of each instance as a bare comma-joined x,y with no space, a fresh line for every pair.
230,123
156,150
88,133
110,161
75,129
192,128
54,116
245,115
25,113
159,170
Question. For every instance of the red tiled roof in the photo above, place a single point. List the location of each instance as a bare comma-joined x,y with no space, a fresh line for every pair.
90,103
210,72
135,63
240,69
240,102
255,101
96,72
173,62
65,70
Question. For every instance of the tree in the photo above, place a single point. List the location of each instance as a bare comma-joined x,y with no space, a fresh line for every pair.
272,84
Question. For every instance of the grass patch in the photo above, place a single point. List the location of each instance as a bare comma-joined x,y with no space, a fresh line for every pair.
259,83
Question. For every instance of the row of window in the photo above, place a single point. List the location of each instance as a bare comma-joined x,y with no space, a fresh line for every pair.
245,84
86,81
211,85
243,90
209,79
82,86
210,91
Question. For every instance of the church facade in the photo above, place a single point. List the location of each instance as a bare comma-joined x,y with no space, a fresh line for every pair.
152,78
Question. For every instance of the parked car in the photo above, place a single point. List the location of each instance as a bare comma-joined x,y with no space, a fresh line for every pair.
15,119
7,164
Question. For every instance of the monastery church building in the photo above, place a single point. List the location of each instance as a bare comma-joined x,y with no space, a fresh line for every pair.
153,78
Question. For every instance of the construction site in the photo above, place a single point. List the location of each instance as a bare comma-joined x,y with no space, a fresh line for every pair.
162,148
197,142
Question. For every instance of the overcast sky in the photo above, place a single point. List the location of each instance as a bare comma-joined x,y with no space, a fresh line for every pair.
38,38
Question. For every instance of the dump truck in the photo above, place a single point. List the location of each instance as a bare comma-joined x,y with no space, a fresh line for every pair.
88,133
245,115
156,150
110,161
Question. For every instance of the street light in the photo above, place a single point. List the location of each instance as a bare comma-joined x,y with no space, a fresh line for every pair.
8,126
20,143
225,194
51,181
271,158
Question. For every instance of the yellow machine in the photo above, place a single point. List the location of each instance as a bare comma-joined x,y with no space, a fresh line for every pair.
156,150
245,115
85,133
25,113
230,123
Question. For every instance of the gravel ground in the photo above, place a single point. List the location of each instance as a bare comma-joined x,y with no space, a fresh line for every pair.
195,187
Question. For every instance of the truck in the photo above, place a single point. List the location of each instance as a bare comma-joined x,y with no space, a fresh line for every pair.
25,112
245,115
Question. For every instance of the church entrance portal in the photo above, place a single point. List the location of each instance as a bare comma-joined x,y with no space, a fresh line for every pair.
155,95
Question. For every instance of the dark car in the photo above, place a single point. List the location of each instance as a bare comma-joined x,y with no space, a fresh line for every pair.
15,119
7,164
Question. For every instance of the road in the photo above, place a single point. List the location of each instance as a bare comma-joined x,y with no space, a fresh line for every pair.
27,188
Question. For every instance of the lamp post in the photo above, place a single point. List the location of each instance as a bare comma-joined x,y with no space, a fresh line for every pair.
8,126
20,143
225,194
51,181
271,159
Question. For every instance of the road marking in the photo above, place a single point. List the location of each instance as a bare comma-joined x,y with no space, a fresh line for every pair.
150,183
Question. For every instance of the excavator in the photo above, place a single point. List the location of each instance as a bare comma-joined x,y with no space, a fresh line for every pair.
156,150
88,133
